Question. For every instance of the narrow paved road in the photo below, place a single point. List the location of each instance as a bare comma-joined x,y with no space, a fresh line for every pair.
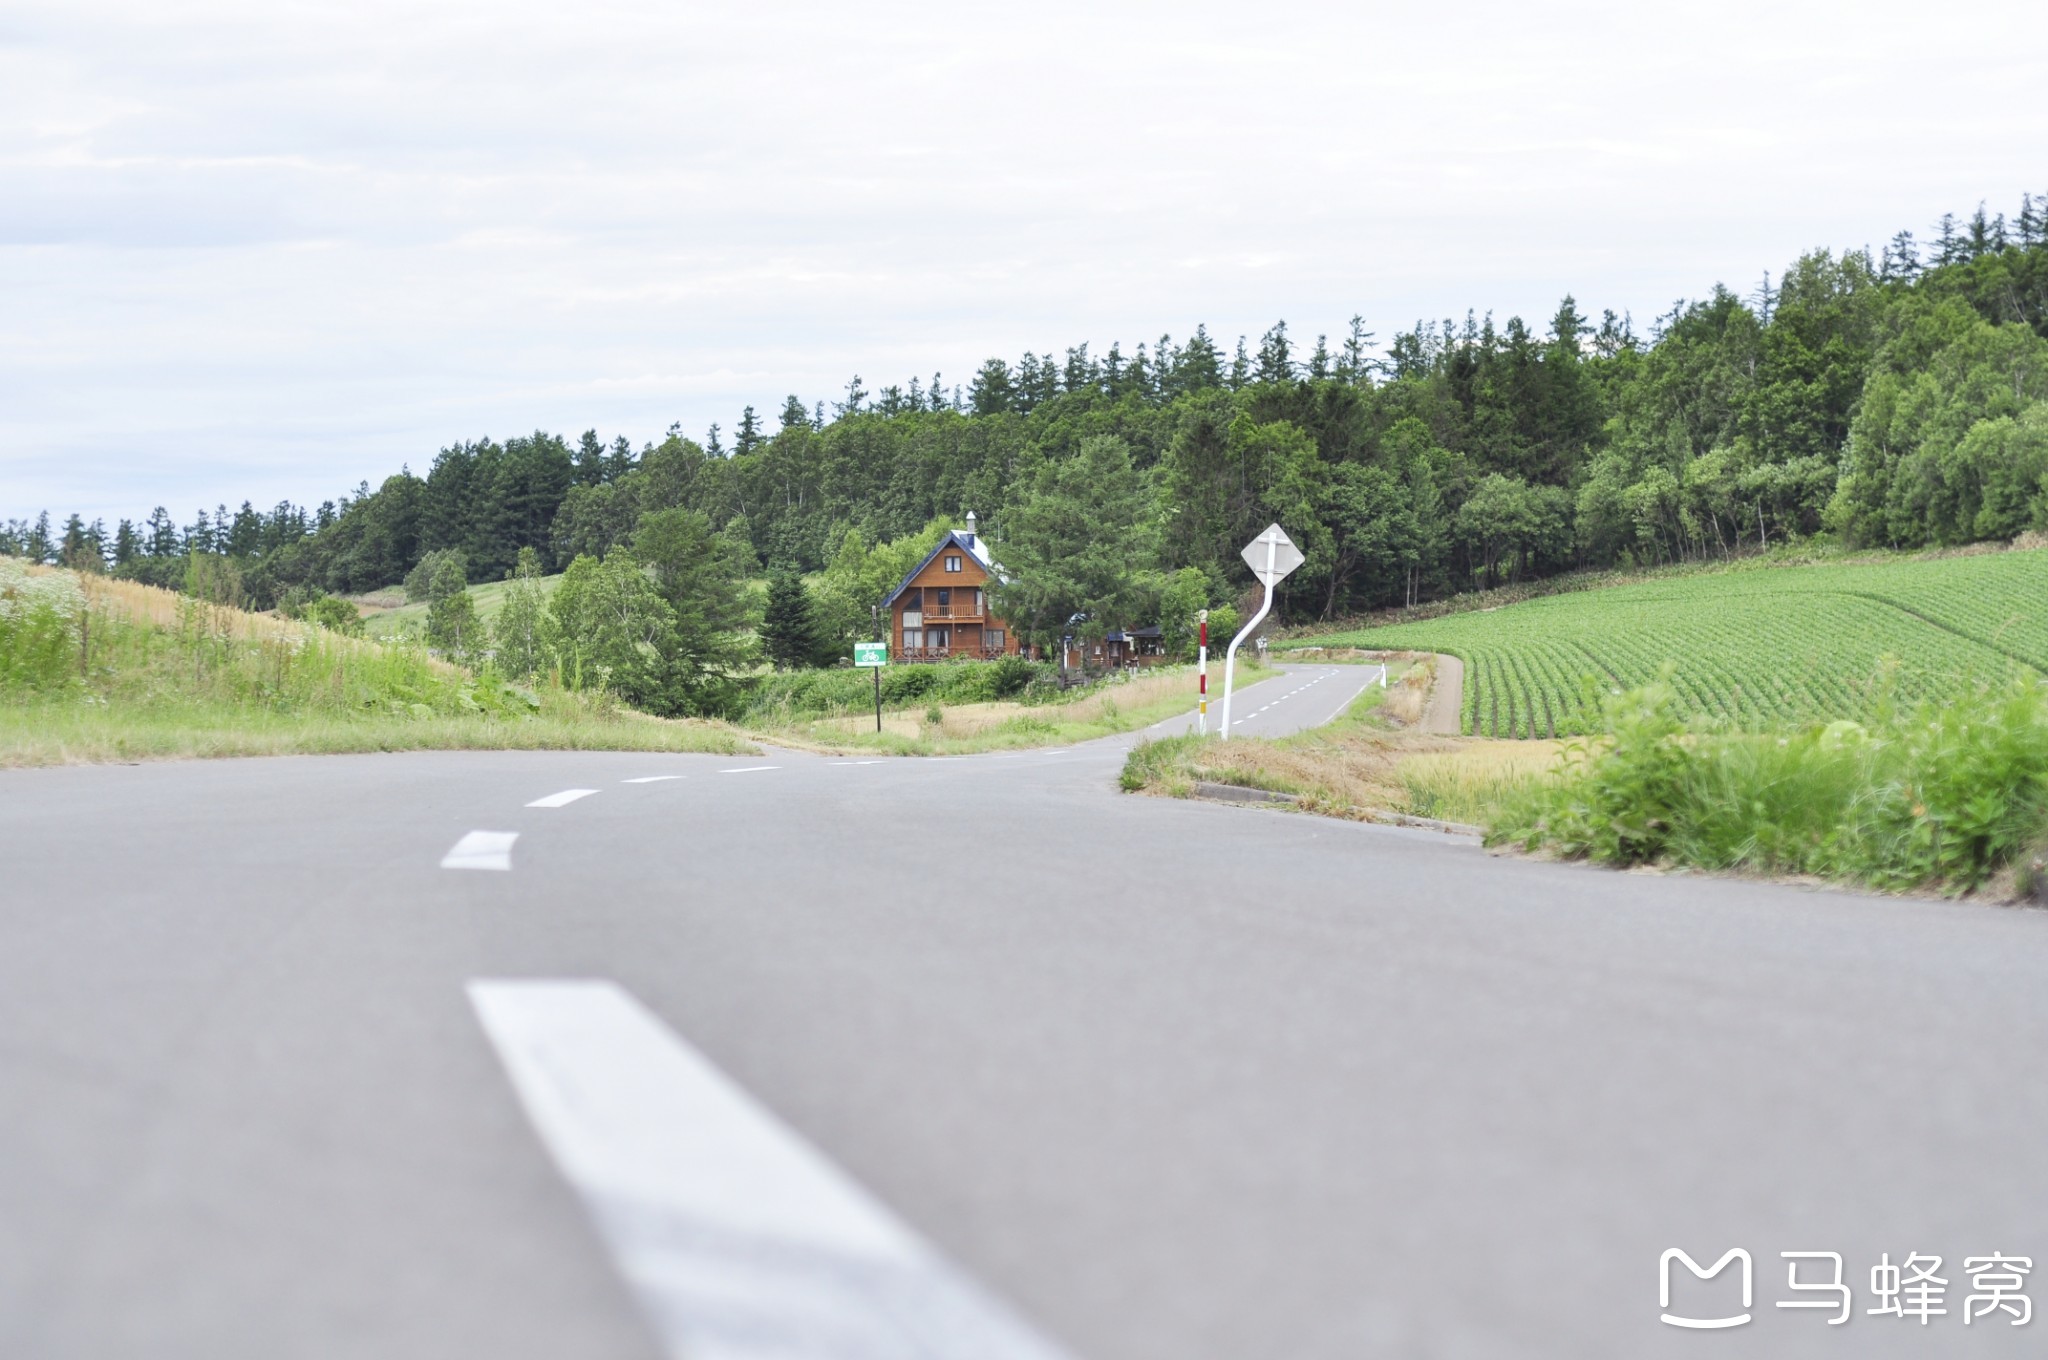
1168,1080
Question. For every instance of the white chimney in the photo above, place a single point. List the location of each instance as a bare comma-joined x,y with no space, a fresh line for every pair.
970,528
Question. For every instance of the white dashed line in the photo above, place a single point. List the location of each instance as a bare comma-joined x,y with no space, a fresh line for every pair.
652,778
740,1238
481,850
562,799
749,769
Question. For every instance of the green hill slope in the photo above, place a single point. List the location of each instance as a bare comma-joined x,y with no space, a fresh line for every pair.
1752,646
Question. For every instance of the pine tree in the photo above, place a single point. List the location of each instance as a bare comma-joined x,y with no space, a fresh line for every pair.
856,398
748,436
76,550
590,469
1275,365
38,547
793,413
789,629
1240,367
711,445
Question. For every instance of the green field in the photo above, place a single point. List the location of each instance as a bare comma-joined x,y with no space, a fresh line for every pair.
1756,646
388,623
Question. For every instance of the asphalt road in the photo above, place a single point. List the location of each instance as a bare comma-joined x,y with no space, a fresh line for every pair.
1167,1079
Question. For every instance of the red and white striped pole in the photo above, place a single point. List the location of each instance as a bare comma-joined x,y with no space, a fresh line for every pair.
1202,719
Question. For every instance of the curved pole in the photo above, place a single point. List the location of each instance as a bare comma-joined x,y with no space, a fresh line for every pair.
1230,657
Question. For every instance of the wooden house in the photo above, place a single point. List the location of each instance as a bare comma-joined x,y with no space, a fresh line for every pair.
940,611
1118,650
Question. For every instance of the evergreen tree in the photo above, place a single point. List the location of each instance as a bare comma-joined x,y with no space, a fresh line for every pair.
789,629
1274,363
747,437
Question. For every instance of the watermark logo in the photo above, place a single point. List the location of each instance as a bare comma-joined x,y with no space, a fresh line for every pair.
1664,1287
1912,1290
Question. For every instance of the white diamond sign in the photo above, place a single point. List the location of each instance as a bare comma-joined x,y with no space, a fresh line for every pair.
1272,555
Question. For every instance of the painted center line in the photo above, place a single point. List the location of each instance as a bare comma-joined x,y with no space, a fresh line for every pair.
651,778
741,1241
749,769
562,799
481,850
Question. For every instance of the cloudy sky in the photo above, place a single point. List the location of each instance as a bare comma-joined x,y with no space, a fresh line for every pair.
267,250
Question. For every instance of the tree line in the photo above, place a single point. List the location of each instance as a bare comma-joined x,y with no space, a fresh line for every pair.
1896,397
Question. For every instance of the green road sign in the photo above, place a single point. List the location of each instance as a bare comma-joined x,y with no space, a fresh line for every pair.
870,653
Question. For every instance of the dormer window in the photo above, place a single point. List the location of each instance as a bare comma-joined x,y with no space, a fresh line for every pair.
952,561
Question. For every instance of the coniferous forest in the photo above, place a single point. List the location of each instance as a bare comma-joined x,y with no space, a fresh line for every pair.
1893,398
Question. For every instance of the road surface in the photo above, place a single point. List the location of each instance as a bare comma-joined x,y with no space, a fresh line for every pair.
1144,1078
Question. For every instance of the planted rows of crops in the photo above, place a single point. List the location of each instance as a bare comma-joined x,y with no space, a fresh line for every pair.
1750,647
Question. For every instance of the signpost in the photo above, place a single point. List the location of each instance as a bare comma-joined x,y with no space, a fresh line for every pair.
1271,556
1202,671
873,655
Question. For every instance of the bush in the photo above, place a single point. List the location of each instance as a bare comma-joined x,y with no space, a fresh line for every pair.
1938,795
39,626
818,693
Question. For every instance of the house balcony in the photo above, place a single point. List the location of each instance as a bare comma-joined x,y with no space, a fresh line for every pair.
963,611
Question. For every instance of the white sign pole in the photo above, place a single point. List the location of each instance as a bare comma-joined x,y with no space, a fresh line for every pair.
1280,558
1230,657
1202,670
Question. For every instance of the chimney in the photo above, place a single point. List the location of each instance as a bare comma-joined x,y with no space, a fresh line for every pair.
970,528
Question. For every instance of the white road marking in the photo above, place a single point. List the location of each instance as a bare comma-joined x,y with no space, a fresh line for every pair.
749,769
481,850
562,799
652,778
741,1241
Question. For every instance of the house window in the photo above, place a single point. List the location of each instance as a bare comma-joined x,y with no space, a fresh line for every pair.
952,561
977,604
936,638
913,638
992,639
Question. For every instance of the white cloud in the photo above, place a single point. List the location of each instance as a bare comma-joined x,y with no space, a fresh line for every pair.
266,250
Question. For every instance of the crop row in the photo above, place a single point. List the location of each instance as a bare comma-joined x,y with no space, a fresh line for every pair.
1752,648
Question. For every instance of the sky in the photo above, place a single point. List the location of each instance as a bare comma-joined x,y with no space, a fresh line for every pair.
268,250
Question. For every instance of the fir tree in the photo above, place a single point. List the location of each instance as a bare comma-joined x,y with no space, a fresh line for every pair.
789,629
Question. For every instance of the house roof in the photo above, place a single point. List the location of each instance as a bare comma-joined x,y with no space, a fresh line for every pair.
1128,634
971,544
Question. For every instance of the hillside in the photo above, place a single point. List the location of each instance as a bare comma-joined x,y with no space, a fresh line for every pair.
1776,644
98,669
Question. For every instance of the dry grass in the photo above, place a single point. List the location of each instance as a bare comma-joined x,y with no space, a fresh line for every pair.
1466,783
160,675
964,722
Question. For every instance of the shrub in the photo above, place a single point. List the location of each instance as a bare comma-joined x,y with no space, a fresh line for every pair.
1935,795
39,627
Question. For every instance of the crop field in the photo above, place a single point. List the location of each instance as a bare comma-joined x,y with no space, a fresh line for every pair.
1753,647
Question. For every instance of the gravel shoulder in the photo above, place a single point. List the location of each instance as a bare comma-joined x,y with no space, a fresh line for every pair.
1446,697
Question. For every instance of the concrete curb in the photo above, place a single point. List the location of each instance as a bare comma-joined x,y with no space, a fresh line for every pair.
1232,793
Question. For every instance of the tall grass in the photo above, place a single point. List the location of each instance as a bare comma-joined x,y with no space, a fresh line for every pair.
92,669
1920,796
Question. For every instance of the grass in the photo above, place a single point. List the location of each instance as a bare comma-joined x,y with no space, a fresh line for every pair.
388,617
149,674
1356,766
1927,796
941,728
1754,647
